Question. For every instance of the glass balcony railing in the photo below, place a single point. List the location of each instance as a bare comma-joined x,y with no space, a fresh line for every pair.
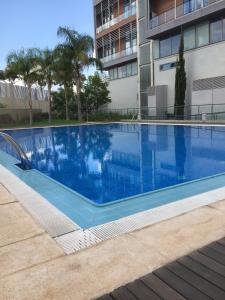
126,52
125,15
187,7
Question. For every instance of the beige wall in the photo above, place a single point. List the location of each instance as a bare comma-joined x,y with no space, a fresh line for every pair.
123,93
204,62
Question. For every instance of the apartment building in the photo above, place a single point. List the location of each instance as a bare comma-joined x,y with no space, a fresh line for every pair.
116,46
159,27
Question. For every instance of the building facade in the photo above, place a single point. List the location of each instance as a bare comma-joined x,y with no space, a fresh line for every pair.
116,46
160,24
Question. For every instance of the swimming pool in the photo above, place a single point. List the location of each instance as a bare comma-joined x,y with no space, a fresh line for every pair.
107,163
88,171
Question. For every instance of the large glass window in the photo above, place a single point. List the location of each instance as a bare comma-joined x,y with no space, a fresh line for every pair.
115,73
134,68
216,31
189,38
111,74
223,29
145,77
196,36
156,49
129,70
175,43
189,6
198,4
202,34
113,47
124,71
133,7
120,74
165,47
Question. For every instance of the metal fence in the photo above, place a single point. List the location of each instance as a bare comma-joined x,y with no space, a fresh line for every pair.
190,112
9,90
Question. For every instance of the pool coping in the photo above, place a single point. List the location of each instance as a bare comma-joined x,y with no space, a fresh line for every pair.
71,237
137,122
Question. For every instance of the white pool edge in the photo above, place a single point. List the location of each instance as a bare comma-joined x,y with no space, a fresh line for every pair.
72,238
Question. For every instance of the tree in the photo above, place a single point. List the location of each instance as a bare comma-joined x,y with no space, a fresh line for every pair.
23,65
64,74
95,93
59,104
2,75
79,49
180,82
46,73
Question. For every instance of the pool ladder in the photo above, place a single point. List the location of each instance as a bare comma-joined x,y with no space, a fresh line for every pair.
25,163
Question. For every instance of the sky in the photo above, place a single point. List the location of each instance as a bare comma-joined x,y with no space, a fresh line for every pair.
34,23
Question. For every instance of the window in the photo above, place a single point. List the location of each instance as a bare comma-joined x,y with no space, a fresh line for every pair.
113,47
199,4
133,8
223,29
145,77
120,72
216,31
165,47
175,44
115,73
202,34
129,70
124,71
111,74
134,68
189,38
168,66
156,49
189,6
127,40
196,36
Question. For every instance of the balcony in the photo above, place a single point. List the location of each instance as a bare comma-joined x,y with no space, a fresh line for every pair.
118,55
114,21
185,9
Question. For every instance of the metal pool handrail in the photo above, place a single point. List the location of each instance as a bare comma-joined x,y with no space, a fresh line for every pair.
25,163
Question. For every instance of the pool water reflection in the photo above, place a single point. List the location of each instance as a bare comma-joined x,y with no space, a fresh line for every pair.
110,162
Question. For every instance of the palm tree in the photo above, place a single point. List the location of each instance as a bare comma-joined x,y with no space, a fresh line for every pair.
23,65
64,73
46,74
2,75
79,49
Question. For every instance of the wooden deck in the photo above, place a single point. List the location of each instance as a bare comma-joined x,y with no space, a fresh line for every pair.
199,275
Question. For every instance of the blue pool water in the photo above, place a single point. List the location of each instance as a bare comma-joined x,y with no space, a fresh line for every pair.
106,163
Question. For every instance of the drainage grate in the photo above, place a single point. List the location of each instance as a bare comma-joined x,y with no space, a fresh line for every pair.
77,240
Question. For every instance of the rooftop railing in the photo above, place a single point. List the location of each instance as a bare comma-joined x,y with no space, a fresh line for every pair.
126,52
125,15
179,11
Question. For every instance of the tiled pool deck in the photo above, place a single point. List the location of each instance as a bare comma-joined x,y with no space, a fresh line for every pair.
32,266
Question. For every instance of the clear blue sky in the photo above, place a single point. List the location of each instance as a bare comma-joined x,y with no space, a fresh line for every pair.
34,23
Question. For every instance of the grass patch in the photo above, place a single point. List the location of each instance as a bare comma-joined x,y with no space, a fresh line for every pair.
42,123
96,117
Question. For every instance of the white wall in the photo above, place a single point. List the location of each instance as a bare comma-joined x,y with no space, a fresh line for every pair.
123,93
204,62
